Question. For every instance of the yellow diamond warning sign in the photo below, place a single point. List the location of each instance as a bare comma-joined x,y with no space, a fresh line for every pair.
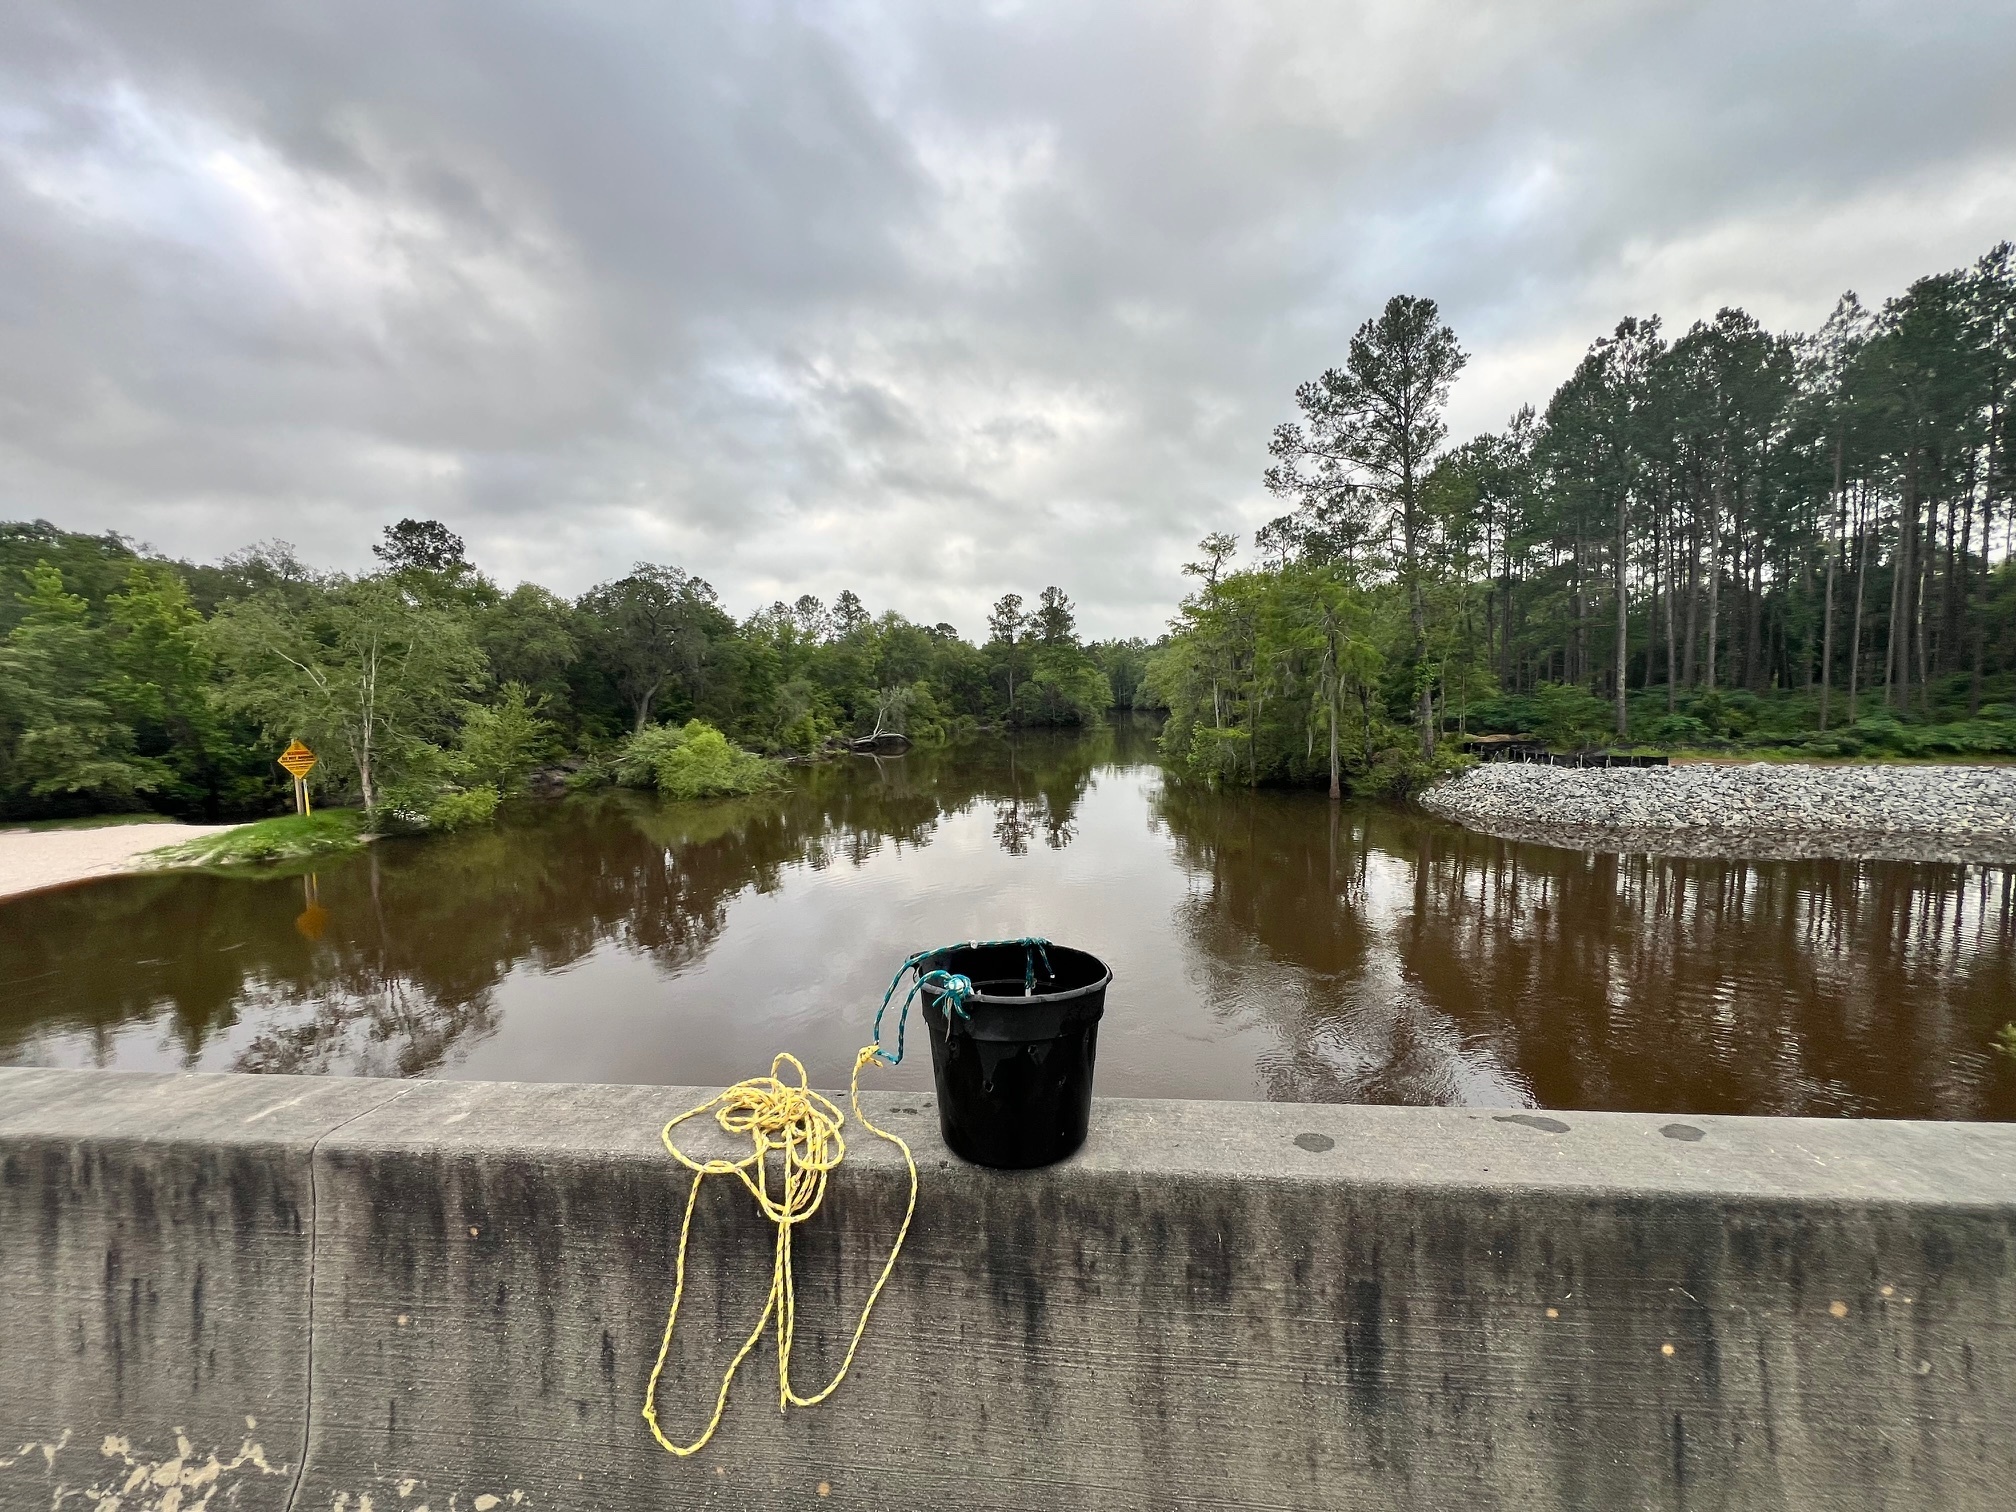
298,759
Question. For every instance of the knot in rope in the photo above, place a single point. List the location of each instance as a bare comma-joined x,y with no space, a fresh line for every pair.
775,1115
953,989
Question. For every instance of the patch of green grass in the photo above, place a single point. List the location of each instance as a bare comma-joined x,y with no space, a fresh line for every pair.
87,821
293,837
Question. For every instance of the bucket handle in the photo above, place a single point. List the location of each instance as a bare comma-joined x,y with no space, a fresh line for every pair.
955,989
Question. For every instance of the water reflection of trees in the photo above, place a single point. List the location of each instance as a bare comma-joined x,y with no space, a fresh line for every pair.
1287,935
1405,960
1041,789
1831,988
420,933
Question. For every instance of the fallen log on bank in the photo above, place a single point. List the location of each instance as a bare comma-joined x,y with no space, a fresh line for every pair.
884,743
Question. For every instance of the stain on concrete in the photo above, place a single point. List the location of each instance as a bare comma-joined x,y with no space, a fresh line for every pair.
1315,1144
1534,1121
1365,1345
1685,1133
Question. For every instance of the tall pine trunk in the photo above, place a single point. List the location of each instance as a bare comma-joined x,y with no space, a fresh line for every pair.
1861,577
1623,612
1827,614
1922,560
1709,646
1417,607
1689,666
1995,424
1571,641
1672,651
1897,658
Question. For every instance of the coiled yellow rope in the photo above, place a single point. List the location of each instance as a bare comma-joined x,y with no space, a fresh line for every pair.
803,1127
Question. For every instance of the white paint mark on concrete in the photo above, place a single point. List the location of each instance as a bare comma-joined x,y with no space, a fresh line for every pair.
407,1487
47,1451
136,1481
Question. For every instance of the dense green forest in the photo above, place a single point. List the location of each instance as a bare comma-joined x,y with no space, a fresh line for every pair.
1732,537
128,681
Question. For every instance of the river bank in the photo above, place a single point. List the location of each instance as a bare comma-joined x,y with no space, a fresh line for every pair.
1942,813
36,860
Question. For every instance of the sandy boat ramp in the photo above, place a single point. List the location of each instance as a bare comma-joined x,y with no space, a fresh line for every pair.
35,860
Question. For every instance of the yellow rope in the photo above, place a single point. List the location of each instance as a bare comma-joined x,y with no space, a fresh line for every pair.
804,1128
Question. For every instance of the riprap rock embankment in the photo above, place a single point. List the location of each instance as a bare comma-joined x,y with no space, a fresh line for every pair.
1928,813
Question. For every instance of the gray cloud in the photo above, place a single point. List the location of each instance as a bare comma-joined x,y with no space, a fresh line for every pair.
933,301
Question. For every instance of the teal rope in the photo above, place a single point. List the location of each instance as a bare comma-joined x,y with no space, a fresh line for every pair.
954,989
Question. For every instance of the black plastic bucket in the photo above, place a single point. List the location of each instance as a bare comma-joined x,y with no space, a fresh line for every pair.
1014,1072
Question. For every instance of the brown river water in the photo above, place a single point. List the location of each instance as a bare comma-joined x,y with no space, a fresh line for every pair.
1263,946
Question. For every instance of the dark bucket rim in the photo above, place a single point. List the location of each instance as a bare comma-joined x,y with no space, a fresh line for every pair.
932,992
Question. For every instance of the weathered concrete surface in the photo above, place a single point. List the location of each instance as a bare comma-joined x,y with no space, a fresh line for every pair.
154,1244
1213,1306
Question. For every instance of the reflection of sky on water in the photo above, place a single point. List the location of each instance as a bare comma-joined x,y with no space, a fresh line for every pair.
1262,947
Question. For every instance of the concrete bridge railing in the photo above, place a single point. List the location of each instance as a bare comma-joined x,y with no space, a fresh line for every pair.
269,1292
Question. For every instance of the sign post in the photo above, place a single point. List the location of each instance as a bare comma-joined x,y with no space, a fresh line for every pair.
299,762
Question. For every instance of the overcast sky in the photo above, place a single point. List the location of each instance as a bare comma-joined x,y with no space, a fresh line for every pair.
930,300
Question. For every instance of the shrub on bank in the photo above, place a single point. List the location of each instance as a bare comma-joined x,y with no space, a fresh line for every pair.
462,807
693,760
1400,769
436,793
502,743
1566,715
